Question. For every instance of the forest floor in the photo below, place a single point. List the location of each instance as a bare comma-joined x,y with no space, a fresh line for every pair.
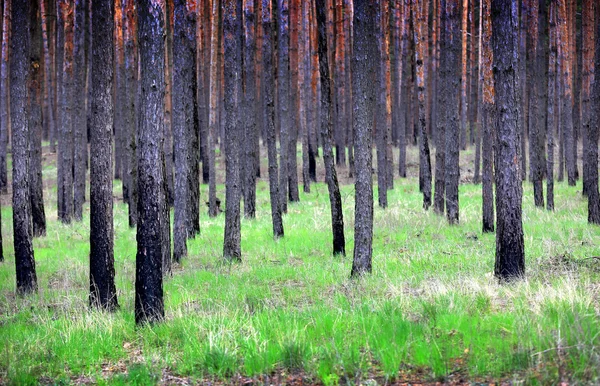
430,313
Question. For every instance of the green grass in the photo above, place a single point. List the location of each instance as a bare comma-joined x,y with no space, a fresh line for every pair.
431,309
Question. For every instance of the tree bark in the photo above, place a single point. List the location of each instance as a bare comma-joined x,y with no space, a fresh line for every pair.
269,28
586,81
232,33
79,110
565,58
36,188
214,106
335,199
149,306
364,98
250,155
593,196
452,172
551,122
510,251
19,74
4,94
103,293
283,97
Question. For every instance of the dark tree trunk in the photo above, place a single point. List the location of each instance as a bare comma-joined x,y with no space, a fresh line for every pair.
488,121
103,293
249,150
184,51
203,36
452,172
65,140
363,93
130,112
404,97
293,192
168,128
510,251
577,65
4,93
593,196
269,28
281,16
79,110
587,76
149,306
232,34
566,93
445,71
214,106
38,215
551,121
420,37
380,121
335,199
19,72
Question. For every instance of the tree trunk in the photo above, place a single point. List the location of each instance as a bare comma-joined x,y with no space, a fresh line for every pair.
566,92
130,111
593,196
168,132
249,107
19,75
586,82
452,172
441,121
269,28
420,37
510,251
4,94
65,140
364,97
214,106
103,293
463,79
38,215
380,120
79,113
335,199
149,306
283,97
232,33
184,44
551,122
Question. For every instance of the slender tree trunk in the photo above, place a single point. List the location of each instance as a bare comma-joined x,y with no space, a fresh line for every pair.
452,172
283,97
149,305
183,125
566,92
463,77
249,107
232,33
380,121
335,199
19,75
214,106
586,82
364,98
4,94
551,122
593,196
488,121
130,111
168,132
65,143
79,110
420,36
38,215
269,28
443,103
103,293
510,251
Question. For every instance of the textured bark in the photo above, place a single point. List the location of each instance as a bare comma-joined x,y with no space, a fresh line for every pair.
586,81
103,293
168,128
488,119
335,199
439,198
405,97
203,34
4,93
35,80
293,192
463,78
214,106
380,121
130,111
452,172
576,36
593,196
304,76
48,23
283,97
420,36
184,51
79,110
397,62
19,72
249,107
527,18
65,140
566,93
149,306
551,122
478,103
269,28
510,250
232,39
59,49
364,98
